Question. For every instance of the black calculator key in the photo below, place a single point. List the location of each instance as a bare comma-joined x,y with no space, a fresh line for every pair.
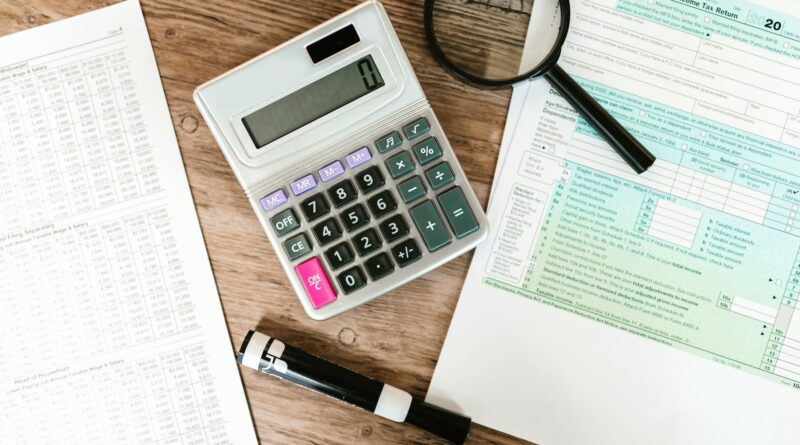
382,204
406,252
370,180
342,193
351,280
315,207
339,255
394,228
379,266
354,217
367,241
327,231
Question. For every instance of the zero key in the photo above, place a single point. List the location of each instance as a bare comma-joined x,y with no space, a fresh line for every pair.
430,226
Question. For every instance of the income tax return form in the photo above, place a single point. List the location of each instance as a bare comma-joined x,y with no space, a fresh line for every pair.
610,308
111,329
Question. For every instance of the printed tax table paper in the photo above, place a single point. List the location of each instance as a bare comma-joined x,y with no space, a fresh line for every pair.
607,307
111,330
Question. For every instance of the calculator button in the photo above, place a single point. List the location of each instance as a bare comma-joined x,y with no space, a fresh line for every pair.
430,226
327,231
315,207
358,157
354,217
331,171
303,185
367,241
427,150
273,200
379,266
339,255
440,175
297,246
417,128
351,280
406,252
458,212
284,222
400,164
394,228
370,179
389,142
382,204
412,190
342,193
315,282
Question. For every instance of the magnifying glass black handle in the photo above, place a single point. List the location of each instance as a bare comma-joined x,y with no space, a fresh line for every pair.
631,150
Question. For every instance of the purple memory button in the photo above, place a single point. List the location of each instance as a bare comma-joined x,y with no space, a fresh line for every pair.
303,185
273,200
331,171
358,157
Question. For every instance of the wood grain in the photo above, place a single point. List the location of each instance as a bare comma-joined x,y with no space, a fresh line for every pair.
396,338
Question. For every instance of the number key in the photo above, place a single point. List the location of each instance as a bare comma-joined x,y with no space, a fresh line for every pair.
327,231
315,207
339,255
382,204
370,179
367,241
351,280
354,217
342,193
394,228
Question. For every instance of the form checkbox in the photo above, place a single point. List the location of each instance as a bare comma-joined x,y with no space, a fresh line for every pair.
642,114
684,147
707,19
786,45
746,167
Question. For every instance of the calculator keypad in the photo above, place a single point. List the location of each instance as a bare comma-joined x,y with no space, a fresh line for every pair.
342,193
315,207
354,218
371,213
370,180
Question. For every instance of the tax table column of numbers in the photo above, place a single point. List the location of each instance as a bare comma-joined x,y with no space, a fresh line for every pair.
73,138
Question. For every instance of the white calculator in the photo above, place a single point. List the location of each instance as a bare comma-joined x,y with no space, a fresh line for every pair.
341,156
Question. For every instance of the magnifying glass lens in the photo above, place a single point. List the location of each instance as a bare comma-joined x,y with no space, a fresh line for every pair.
485,39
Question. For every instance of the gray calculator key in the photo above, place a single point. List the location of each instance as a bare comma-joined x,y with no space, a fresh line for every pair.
430,226
297,246
400,164
427,150
440,175
417,128
389,142
284,222
412,189
458,212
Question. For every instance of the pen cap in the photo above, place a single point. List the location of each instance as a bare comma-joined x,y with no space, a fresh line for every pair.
444,423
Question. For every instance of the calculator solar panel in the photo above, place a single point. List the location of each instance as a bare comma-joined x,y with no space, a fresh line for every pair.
347,167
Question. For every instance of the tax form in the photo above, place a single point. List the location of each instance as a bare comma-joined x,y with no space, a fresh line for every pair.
607,307
111,330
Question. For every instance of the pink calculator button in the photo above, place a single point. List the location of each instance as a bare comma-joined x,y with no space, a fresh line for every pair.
318,288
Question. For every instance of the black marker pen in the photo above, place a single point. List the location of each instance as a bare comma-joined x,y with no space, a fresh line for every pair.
271,356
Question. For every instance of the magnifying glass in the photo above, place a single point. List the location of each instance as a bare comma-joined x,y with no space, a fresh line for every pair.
483,43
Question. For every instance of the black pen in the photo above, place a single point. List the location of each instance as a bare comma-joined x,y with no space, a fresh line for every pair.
271,356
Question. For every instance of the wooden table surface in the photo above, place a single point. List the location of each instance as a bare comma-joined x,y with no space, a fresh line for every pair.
395,338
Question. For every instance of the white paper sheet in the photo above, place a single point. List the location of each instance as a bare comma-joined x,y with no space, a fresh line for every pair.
111,330
547,342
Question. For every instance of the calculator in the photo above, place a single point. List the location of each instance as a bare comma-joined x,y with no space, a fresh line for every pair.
343,160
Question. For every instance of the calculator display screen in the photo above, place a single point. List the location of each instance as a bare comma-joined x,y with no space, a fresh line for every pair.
313,101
